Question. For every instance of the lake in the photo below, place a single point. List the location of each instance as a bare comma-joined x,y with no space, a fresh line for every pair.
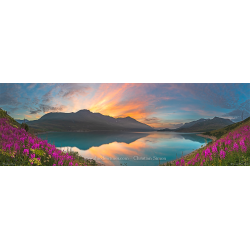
128,148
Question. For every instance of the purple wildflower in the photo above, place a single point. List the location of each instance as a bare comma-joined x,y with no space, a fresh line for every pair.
242,143
222,154
207,152
32,156
26,151
214,149
235,147
182,162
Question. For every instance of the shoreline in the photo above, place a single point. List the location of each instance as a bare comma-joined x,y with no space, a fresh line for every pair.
98,163
213,138
40,133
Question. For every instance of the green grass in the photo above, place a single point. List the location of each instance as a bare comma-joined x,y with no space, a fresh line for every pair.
13,122
235,158
10,158
6,159
223,131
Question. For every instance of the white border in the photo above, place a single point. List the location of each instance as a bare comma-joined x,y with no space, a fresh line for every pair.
124,207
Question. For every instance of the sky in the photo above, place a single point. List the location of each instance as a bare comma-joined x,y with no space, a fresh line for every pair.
158,105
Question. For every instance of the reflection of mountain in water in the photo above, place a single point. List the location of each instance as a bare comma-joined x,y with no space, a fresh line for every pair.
84,141
193,137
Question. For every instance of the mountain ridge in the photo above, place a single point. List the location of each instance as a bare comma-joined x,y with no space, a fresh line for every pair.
85,120
202,125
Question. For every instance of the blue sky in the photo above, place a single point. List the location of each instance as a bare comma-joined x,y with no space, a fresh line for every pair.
158,105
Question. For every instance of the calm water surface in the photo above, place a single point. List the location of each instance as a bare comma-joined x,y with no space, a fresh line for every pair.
131,149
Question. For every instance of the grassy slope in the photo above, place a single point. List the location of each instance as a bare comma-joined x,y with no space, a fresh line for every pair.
3,114
8,161
223,131
13,122
218,134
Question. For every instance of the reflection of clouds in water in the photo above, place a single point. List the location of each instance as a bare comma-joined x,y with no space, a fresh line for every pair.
112,150
154,144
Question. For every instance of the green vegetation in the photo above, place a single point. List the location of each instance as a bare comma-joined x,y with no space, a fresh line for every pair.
232,149
223,131
21,148
13,122
25,126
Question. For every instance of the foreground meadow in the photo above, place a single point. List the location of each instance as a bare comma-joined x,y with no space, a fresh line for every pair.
232,149
20,148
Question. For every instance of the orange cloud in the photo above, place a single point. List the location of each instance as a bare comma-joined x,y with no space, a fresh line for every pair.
118,100
125,100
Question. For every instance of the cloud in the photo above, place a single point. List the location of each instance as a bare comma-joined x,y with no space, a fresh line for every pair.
143,102
217,94
47,97
245,105
35,100
11,110
237,115
48,108
35,111
32,85
71,90
9,94
151,119
202,112
120,100
242,112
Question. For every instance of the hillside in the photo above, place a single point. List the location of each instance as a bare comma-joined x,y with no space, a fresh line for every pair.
204,125
84,120
232,148
218,133
4,114
13,122
21,148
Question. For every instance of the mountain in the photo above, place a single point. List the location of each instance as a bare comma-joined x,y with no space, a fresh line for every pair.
218,133
190,124
165,129
21,121
204,125
84,120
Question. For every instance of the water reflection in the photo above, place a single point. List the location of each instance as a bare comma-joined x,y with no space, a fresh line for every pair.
133,149
86,140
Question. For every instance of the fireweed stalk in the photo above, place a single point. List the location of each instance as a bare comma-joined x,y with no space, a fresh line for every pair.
17,143
224,151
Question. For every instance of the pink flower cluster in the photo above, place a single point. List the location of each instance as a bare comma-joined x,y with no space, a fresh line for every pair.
18,142
236,141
